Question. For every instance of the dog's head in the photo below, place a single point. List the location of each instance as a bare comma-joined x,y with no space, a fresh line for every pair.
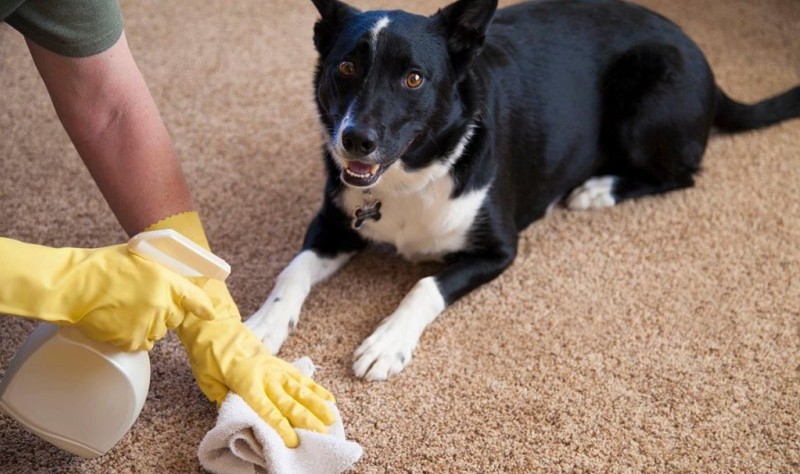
387,85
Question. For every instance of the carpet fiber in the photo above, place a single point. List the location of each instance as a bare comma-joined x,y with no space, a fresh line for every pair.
662,335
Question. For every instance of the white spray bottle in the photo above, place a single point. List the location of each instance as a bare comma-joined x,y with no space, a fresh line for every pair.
82,395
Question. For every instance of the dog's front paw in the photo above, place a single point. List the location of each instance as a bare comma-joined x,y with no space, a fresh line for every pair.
387,351
273,322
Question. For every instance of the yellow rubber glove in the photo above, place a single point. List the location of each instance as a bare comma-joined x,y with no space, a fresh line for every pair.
108,293
225,355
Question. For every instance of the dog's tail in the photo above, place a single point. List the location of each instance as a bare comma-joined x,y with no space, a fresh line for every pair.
733,116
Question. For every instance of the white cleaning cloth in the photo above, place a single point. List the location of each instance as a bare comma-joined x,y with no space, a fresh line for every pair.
242,443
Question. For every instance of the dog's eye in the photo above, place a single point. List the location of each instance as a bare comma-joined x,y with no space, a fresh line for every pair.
347,69
413,80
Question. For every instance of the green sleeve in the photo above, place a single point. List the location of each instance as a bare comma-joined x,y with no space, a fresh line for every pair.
75,28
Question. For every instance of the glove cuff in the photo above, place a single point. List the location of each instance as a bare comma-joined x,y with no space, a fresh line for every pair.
187,223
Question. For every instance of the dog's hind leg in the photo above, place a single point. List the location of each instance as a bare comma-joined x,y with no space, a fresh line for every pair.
597,192
607,191
658,106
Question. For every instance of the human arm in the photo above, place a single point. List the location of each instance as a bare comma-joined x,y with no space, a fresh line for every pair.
110,116
226,356
107,293
113,122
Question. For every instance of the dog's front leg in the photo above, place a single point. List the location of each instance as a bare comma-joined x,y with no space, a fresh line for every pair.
389,349
328,245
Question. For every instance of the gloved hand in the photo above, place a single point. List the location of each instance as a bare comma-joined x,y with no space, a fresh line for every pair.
108,293
225,355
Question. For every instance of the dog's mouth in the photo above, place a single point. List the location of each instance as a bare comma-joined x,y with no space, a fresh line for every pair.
360,174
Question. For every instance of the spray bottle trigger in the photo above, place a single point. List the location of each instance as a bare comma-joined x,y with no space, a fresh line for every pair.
178,253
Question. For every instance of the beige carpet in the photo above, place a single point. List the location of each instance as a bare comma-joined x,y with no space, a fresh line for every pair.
659,336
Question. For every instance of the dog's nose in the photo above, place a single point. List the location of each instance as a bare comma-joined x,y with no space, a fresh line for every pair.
359,141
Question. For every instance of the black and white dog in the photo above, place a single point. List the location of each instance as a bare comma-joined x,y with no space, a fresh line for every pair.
447,135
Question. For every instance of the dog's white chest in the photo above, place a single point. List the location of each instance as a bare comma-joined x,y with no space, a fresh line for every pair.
423,225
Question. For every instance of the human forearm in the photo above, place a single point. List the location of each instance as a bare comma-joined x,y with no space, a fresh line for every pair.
111,117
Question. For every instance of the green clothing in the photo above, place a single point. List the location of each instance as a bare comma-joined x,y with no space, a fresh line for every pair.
76,28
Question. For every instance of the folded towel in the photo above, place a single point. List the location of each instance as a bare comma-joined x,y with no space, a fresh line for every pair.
241,442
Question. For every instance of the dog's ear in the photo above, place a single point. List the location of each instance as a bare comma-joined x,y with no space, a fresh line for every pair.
333,13
464,24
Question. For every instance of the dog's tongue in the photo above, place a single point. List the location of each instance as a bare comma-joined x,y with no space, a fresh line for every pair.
359,167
